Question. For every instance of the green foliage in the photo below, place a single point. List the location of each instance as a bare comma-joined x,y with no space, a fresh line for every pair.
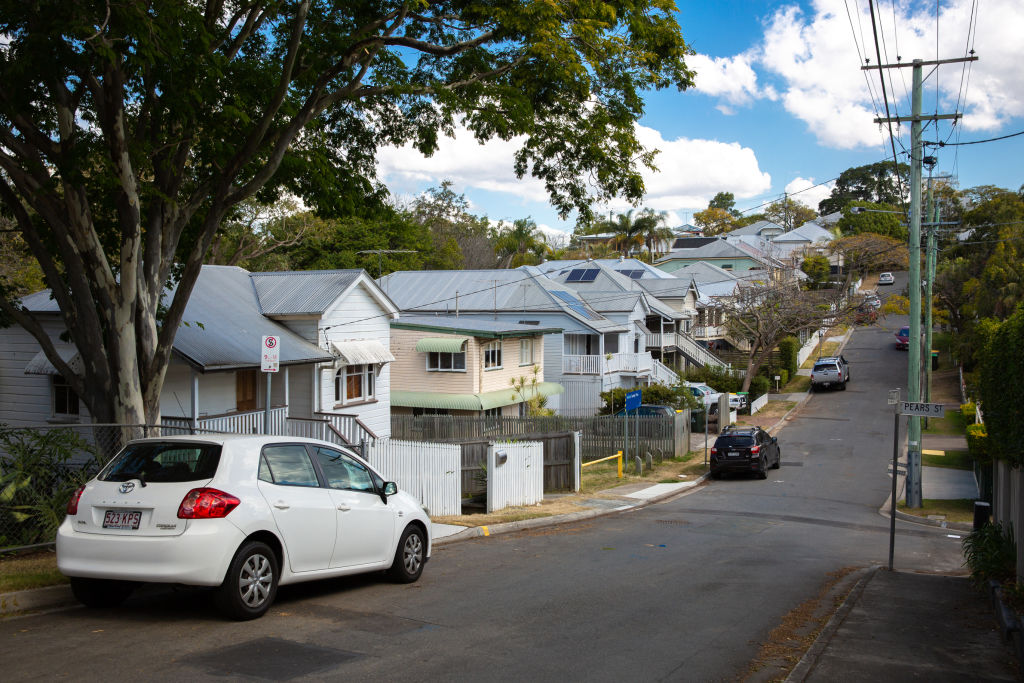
1002,375
890,224
676,396
759,386
725,201
878,182
978,442
968,413
37,480
789,354
990,553
789,213
817,268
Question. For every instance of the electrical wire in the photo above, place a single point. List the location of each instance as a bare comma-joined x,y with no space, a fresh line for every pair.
885,99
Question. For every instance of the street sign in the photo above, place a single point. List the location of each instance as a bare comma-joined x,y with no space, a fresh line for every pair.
270,354
922,409
633,400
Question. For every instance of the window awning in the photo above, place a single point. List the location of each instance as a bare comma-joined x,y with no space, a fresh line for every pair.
474,402
41,365
442,344
361,352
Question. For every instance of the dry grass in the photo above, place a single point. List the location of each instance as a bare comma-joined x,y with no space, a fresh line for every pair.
959,510
797,385
767,416
788,641
33,570
548,508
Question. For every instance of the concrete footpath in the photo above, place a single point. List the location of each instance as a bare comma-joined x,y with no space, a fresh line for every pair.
905,626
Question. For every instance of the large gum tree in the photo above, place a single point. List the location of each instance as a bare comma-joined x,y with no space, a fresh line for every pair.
129,129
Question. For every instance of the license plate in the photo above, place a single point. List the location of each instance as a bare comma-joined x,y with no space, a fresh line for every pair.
122,519
733,454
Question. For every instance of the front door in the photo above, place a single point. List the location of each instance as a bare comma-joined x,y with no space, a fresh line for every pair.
246,390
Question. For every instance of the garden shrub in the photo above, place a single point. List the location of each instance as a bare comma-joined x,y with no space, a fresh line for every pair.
968,413
977,443
789,348
991,553
758,387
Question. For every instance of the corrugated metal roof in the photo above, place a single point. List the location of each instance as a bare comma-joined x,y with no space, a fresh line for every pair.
222,326
471,325
301,292
483,401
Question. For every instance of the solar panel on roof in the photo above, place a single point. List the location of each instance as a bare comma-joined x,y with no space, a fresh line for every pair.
583,275
575,304
632,274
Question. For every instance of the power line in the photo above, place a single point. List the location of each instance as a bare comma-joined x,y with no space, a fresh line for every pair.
885,99
972,142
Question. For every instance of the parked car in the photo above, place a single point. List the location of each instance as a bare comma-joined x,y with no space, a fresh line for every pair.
886,279
745,449
650,410
737,401
871,299
703,393
238,513
903,338
830,371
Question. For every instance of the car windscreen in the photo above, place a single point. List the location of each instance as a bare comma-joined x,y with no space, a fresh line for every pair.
824,367
163,461
736,441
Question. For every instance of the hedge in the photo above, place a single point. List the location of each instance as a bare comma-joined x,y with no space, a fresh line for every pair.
977,443
968,412
789,349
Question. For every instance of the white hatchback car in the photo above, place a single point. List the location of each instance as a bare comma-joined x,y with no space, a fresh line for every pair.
886,279
241,513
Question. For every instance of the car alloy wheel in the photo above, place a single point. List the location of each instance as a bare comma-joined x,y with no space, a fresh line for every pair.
251,582
409,556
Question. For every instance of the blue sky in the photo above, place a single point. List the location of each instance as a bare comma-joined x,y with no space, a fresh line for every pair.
780,104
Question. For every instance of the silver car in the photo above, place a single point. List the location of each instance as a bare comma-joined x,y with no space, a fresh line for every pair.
830,371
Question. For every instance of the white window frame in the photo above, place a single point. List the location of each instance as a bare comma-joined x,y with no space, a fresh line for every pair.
368,374
492,355
452,356
60,387
526,348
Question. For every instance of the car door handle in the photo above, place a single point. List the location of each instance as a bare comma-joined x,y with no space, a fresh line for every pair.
344,508
281,505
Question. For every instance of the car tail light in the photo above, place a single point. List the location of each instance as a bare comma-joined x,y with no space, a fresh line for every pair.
206,503
754,450
73,503
714,450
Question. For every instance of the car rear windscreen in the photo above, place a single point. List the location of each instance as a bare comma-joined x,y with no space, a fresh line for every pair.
824,367
734,442
163,461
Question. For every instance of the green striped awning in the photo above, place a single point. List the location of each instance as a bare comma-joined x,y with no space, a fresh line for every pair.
442,344
482,401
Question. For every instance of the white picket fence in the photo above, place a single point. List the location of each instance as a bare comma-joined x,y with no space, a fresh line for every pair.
431,472
515,474
758,403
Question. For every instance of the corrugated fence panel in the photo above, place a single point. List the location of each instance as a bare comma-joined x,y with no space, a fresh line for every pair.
429,471
520,479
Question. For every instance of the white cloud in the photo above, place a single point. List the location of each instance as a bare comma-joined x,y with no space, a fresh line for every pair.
690,172
806,191
817,57
731,78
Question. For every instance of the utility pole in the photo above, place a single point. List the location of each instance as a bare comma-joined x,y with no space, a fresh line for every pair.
913,482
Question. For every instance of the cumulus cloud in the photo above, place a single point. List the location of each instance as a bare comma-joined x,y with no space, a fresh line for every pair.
732,79
807,191
689,171
817,57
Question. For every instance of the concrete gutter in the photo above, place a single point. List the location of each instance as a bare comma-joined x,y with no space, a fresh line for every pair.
36,600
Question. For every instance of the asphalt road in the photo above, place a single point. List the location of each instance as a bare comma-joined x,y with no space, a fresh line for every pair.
683,590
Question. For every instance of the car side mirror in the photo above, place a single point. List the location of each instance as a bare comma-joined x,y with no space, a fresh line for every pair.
775,439
390,489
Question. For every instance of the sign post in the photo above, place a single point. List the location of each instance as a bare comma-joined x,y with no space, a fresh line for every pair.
270,362
632,403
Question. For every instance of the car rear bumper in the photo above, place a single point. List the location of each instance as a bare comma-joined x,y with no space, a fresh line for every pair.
197,557
735,464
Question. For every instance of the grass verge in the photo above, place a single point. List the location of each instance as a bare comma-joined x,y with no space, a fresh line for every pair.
957,460
31,570
958,510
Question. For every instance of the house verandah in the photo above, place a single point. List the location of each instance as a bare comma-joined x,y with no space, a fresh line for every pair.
334,374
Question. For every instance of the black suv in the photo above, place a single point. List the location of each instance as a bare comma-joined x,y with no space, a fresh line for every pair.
745,449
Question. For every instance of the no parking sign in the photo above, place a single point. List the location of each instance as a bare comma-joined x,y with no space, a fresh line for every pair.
270,352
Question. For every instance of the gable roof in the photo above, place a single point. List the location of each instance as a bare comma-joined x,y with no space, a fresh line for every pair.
222,326
757,228
809,232
495,291
708,248
312,292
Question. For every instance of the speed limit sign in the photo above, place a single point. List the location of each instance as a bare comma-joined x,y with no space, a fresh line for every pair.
270,354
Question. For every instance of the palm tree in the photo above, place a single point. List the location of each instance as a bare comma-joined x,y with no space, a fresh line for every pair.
643,230
522,244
